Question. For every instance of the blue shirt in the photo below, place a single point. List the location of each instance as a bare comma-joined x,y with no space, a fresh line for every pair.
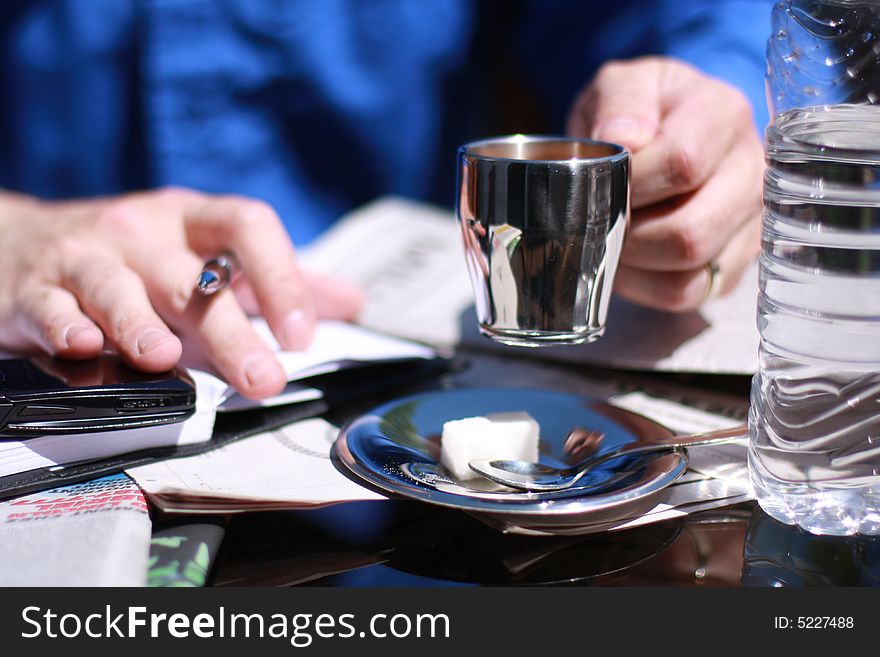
317,107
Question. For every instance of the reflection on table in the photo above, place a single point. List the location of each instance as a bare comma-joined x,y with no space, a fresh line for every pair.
404,543
785,555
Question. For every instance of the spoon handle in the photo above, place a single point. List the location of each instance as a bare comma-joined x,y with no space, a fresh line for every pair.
689,440
708,438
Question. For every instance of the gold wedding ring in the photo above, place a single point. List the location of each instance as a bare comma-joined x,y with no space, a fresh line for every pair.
713,285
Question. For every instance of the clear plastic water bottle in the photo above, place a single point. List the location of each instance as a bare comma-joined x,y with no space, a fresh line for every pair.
815,413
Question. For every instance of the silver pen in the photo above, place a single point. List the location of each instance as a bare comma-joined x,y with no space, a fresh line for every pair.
217,273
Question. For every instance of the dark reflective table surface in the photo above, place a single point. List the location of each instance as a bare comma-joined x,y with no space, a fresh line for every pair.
401,543
404,543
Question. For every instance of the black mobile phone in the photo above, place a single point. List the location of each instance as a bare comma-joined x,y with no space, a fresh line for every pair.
45,395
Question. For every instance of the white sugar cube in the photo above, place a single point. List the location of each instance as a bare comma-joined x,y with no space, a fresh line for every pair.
513,436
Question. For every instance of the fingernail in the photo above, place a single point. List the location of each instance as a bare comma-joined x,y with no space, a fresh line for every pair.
260,369
299,329
626,132
72,333
151,339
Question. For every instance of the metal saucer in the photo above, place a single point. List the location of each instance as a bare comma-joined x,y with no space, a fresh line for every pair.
396,447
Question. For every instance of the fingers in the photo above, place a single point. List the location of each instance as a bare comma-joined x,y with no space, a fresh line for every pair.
255,233
678,123
126,266
696,168
621,104
668,245
246,297
217,323
239,354
50,317
679,291
701,126
114,297
686,233
335,298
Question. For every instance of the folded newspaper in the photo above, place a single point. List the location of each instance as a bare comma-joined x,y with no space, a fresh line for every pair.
96,533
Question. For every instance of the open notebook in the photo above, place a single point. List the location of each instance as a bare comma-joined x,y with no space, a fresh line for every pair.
338,347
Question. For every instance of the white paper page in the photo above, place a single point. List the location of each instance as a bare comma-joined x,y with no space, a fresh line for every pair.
337,342
416,283
290,465
92,534
335,345
292,394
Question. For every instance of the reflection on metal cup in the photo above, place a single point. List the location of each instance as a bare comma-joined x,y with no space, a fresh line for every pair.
543,221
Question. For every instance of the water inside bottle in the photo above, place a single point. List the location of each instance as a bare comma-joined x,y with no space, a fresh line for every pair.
815,416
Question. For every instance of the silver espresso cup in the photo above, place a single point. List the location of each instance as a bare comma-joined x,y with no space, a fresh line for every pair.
543,221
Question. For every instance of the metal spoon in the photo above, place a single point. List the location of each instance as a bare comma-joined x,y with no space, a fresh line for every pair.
537,476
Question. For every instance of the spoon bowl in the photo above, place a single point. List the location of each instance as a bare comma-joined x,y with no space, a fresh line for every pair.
530,476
